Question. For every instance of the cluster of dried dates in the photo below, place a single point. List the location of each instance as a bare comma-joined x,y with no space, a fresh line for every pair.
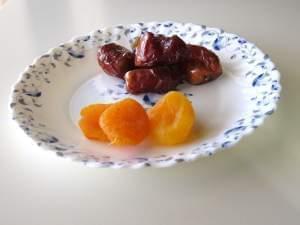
159,63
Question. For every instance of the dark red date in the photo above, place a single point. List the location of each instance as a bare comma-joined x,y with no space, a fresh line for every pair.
115,60
158,79
155,50
201,66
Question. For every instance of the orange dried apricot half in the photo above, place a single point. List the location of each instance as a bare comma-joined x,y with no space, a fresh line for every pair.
171,119
89,122
125,122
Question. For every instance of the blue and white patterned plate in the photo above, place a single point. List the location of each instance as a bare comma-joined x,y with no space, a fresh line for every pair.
47,98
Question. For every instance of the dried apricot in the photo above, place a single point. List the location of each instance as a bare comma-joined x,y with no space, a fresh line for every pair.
125,122
89,122
171,119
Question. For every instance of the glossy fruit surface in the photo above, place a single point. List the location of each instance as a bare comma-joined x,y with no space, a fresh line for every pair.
125,122
171,119
89,122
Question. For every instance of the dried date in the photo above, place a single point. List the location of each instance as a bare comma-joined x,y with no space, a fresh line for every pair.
154,50
115,60
158,79
201,66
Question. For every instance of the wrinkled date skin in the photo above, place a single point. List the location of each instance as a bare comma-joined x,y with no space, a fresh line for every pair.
201,66
158,79
155,50
115,60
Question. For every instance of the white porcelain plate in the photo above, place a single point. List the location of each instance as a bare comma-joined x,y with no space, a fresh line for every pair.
47,99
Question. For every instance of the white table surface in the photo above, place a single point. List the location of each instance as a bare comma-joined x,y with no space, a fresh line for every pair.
256,182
